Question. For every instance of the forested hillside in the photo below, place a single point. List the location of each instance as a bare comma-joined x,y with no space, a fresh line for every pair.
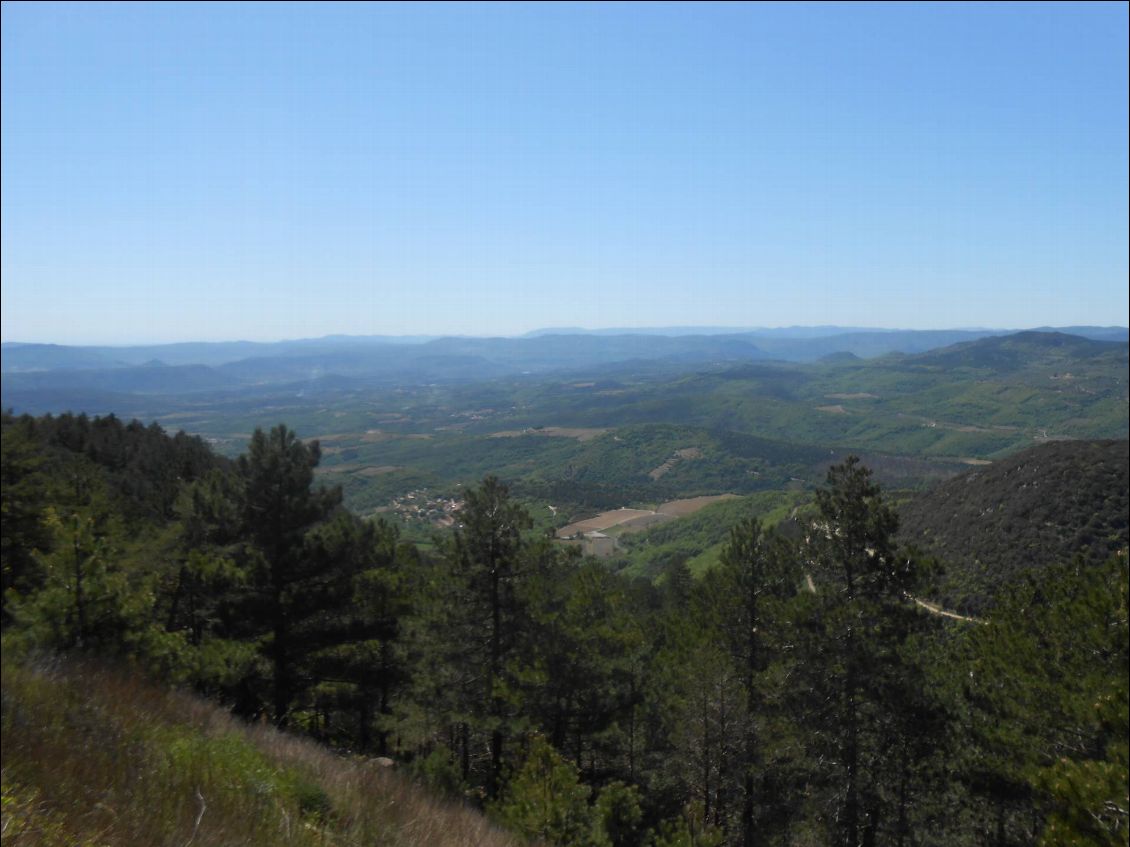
794,693
1030,510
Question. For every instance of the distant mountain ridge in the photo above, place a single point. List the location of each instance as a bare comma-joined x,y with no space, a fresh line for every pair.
541,348
1022,349
766,332
55,378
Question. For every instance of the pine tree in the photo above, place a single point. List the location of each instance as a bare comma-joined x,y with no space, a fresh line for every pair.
545,799
478,618
279,508
86,600
350,625
1046,682
581,667
757,576
24,527
858,624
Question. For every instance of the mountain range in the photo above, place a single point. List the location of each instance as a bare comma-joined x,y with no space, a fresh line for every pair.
186,367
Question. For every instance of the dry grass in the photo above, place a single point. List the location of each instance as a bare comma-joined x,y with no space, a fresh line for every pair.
635,520
604,520
98,757
378,470
641,523
690,505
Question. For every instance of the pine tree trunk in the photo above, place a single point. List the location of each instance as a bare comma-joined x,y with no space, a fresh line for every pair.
904,823
851,762
492,679
364,738
282,672
465,751
80,596
749,786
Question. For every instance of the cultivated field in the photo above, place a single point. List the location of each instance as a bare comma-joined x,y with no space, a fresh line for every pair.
690,505
579,433
603,521
356,468
377,470
634,520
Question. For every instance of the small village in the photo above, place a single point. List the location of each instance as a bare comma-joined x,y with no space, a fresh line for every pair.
420,506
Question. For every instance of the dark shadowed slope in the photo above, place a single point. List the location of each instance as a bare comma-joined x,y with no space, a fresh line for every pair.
1037,507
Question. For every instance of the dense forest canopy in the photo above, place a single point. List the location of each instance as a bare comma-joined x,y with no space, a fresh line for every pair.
1032,509
803,690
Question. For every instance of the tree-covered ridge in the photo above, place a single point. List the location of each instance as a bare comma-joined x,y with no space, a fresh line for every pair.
1022,351
1030,510
144,466
92,485
793,694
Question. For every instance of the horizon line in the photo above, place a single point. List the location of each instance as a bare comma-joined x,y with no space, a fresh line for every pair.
670,331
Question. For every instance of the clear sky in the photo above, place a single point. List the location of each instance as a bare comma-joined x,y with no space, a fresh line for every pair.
175,172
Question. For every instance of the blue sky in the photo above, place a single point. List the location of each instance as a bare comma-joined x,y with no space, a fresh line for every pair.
175,172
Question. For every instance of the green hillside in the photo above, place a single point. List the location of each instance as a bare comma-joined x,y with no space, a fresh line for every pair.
697,540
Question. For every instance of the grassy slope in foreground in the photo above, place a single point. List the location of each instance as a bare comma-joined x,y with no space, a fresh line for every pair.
93,757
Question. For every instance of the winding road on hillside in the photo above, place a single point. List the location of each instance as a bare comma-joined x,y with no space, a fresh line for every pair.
932,608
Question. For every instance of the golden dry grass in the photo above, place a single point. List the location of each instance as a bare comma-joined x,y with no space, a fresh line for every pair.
99,757
604,520
690,505
378,470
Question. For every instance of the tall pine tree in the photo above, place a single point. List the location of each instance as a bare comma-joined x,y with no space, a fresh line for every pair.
853,659
280,507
